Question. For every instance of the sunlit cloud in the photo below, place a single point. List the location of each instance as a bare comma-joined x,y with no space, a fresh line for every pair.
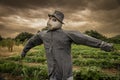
75,24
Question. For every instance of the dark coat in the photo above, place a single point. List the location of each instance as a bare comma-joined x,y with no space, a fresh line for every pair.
57,45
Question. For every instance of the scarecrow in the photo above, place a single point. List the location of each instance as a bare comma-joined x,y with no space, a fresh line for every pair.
57,43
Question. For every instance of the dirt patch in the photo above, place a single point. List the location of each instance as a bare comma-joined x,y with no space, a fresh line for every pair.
76,67
111,71
8,76
32,64
5,53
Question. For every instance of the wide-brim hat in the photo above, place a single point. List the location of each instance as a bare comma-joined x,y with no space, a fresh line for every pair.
58,15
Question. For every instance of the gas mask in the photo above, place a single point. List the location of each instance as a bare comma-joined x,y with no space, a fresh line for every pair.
53,23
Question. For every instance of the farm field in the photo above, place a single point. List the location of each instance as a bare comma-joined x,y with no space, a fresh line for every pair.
88,64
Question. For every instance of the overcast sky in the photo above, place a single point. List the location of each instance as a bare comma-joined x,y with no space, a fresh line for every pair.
18,16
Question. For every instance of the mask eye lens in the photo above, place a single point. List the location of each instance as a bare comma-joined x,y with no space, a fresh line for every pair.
54,20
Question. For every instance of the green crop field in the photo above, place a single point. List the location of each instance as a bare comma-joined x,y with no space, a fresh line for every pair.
88,64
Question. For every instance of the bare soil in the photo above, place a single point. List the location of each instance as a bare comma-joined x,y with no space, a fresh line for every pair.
5,53
8,76
111,71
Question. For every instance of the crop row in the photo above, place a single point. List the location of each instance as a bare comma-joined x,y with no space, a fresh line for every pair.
40,72
103,63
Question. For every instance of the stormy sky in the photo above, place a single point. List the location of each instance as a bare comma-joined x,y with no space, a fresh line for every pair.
18,16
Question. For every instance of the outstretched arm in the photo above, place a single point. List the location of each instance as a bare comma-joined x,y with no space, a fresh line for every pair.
79,38
32,42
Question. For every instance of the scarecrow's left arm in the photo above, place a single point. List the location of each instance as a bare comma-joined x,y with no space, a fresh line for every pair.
32,42
79,38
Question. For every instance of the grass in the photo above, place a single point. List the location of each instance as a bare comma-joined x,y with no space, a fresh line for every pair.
87,62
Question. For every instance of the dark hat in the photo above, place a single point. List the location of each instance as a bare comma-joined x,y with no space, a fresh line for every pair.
58,15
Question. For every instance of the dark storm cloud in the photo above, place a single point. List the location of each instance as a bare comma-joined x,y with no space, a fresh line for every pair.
15,28
110,29
71,4
16,6
5,11
103,4
17,15
9,31
23,6
68,7
43,3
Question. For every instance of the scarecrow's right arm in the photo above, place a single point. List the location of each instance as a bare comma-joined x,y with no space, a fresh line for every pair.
79,38
32,42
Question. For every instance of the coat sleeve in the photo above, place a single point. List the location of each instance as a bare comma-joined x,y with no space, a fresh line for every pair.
79,38
32,42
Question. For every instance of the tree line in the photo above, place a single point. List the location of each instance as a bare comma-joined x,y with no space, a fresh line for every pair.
22,37
19,39
115,39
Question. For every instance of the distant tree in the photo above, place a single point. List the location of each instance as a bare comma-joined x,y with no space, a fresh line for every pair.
8,42
23,36
95,34
1,38
115,39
